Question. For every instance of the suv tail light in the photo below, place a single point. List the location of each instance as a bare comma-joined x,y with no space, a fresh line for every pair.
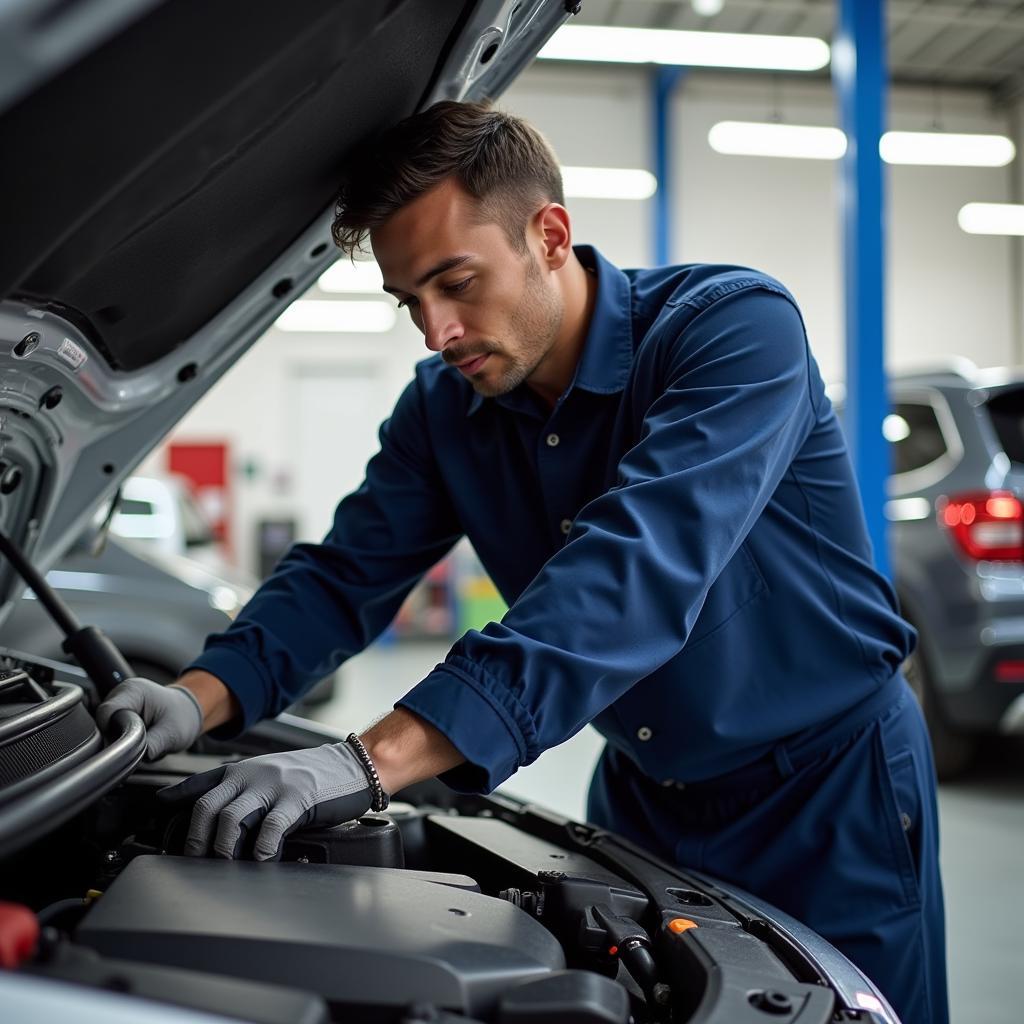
987,525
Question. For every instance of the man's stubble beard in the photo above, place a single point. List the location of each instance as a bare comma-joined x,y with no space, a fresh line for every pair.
535,326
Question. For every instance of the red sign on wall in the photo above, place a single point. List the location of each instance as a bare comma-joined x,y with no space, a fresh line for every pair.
206,467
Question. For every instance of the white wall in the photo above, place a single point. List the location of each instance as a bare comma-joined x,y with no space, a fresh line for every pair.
252,410
594,119
948,293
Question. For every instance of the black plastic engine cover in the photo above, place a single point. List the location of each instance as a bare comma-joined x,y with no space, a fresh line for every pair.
368,936
250,1001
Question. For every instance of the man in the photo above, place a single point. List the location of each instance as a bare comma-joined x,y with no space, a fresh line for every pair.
648,467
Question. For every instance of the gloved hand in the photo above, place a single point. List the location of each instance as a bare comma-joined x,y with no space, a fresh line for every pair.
277,793
172,714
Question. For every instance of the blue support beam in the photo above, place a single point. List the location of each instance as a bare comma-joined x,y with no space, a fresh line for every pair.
664,80
859,73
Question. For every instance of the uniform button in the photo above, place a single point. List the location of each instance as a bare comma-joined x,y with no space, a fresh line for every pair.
680,785
644,733
566,525
905,821
669,782
553,440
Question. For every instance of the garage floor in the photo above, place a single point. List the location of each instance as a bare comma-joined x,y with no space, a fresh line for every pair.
982,837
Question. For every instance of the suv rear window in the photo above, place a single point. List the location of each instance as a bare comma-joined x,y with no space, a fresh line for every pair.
1007,413
921,442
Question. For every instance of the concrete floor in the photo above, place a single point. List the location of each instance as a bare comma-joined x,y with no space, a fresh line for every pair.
982,821
982,851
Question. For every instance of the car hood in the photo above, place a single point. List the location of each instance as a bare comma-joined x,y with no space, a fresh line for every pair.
167,190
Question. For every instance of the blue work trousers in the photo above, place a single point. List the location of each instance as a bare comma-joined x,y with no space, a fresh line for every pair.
839,829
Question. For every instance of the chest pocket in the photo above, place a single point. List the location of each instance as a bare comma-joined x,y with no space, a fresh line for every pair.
739,583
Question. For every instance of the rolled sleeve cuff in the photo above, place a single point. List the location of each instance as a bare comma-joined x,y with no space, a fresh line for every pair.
245,678
482,720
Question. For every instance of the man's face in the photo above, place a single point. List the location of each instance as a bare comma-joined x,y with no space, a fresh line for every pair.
490,310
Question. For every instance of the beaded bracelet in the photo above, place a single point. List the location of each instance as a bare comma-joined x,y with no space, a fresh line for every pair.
380,798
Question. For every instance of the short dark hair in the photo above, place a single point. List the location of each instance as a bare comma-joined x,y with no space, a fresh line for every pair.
501,160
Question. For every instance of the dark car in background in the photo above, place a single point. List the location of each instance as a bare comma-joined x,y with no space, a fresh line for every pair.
128,585
125,590
167,190
956,524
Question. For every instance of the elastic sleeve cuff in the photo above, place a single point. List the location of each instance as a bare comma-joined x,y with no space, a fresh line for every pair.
245,678
476,724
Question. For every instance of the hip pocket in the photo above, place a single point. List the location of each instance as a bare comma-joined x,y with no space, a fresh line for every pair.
901,811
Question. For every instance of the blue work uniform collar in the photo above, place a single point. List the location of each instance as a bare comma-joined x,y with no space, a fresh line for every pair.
608,351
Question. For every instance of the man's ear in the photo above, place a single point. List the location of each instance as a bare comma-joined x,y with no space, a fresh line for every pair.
554,228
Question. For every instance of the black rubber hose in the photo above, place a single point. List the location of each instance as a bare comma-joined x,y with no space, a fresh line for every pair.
96,653
47,914
37,813
55,607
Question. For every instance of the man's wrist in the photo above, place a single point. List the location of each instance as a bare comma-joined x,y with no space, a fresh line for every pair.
406,749
217,703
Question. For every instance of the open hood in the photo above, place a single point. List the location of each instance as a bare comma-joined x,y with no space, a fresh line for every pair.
167,189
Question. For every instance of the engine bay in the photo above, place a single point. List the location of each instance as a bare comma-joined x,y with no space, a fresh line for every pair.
443,908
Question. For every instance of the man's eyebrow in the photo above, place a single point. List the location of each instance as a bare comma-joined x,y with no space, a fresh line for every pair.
449,264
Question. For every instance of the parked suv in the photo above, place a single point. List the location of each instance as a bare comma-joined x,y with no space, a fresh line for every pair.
957,541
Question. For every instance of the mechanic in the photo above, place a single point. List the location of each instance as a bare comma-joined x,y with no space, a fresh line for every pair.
649,469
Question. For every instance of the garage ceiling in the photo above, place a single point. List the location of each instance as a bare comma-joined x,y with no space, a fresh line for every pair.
977,43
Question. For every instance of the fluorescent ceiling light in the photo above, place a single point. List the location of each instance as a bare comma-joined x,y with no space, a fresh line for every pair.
693,49
946,149
345,277
749,138
992,218
707,8
324,316
608,183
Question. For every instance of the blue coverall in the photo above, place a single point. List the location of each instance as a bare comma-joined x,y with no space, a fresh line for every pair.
682,546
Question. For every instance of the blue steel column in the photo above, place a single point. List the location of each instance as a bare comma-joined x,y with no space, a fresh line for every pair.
859,73
664,79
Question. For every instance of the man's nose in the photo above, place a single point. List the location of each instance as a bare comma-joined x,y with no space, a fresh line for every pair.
440,326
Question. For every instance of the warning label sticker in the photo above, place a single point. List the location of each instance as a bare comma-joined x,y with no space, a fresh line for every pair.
72,354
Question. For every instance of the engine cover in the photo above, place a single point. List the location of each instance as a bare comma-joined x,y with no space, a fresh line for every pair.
382,937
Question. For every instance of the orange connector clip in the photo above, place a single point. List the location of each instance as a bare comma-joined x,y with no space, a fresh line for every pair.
678,925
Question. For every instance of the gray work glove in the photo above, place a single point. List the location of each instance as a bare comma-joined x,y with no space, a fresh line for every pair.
172,714
276,793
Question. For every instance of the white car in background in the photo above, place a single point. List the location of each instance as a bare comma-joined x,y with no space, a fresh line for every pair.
161,512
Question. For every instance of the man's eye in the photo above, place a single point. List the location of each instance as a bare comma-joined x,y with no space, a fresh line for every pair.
410,302
458,286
